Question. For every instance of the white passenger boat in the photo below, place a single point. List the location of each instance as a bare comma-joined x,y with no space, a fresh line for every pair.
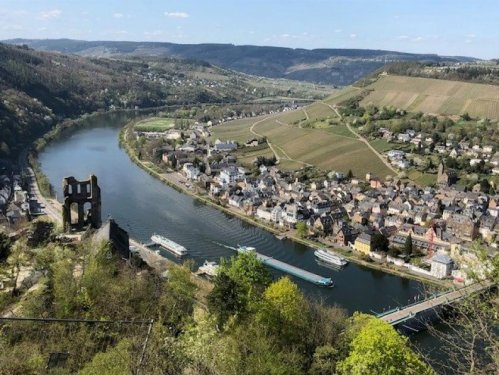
168,244
330,258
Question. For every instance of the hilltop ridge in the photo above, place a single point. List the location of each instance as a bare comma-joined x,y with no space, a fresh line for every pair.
323,65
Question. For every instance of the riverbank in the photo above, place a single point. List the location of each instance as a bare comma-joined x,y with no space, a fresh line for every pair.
177,181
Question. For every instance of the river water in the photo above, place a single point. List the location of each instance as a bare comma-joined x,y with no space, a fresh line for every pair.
143,206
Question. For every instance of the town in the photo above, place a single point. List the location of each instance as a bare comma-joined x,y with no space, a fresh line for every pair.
427,231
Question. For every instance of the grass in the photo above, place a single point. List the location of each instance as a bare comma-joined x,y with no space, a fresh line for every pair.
424,179
238,130
155,124
435,96
381,145
247,155
342,95
319,110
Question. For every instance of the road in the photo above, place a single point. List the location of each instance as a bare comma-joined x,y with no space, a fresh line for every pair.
262,136
362,139
52,208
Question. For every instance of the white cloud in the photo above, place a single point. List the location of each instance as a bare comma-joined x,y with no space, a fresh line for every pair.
417,39
118,15
403,37
176,14
338,30
353,36
470,36
50,14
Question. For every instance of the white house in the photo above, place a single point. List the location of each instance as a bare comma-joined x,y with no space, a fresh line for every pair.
229,175
276,214
441,266
264,213
190,171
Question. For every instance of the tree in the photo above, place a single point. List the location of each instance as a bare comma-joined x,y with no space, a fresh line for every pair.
408,248
350,174
239,285
115,361
380,242
301,229
376,348
5,244
470,336
284,311
225,299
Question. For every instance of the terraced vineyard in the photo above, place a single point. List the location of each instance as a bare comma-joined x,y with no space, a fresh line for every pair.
435,96
333,148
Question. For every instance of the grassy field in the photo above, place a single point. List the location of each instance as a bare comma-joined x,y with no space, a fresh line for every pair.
435,96
331,148
246,156
424,179
319,110
344,94
155,124
238,130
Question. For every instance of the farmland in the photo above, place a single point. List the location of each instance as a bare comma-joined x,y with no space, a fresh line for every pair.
329,148
435,96
155,124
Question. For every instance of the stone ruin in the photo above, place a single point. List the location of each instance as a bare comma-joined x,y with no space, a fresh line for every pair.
83,200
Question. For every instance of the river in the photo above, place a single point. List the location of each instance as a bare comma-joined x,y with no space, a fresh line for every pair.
142,205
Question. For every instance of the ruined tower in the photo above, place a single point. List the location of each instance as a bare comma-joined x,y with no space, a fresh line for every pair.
82,203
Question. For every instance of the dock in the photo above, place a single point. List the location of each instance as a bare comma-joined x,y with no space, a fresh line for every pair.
288,268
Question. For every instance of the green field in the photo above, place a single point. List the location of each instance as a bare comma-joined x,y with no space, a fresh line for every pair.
329,148
155,124
435,96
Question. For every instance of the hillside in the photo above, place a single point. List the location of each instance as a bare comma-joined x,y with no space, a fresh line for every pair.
41,88
324,66
313,135
434,96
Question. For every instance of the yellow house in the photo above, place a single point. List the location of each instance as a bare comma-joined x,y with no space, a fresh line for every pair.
363,243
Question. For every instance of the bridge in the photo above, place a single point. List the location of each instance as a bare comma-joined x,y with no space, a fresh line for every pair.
400,315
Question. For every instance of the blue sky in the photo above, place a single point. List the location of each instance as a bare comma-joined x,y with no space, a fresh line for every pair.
446,27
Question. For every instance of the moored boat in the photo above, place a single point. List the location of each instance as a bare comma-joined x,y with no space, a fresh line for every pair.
168,244
209,268
330,258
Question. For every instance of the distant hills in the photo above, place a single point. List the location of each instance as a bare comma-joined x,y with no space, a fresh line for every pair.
323,66
39,88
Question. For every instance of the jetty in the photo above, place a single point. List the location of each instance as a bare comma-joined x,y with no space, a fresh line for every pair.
288,268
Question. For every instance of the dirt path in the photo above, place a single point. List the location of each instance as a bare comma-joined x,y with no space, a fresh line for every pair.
362,139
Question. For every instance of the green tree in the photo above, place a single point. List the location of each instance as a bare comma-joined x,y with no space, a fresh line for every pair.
177,302
324,360
239,285
284,311
408,247
225,299
301,229
380,242
376,348
115,361
350,174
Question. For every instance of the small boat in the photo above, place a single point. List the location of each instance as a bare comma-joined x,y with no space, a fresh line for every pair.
209,268
168,244
243,249
331,258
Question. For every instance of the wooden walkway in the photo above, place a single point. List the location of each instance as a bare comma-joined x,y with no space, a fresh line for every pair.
399,315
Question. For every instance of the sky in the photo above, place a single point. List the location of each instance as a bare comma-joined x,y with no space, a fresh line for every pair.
445,27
